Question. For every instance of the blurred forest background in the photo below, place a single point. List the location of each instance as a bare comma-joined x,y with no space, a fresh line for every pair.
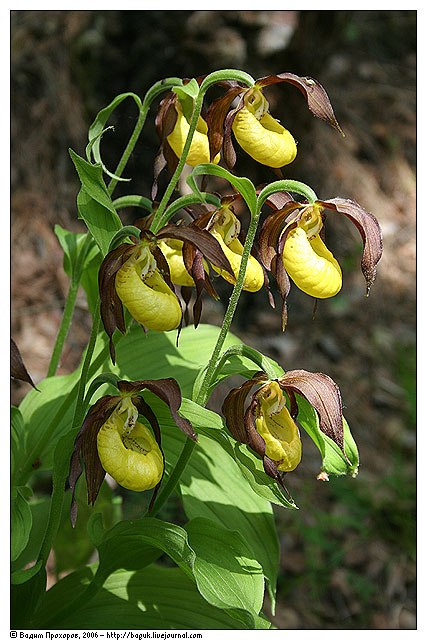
348,555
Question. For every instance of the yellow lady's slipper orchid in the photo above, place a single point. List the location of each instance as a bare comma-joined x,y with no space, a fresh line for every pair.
260,135
199,149
128,450
308,261
146,295
276,427
226,229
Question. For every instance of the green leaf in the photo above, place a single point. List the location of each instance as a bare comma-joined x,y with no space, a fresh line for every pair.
39,409
213,487
77,253
93,183
73,548
100,221
133,201
152,598
133,544
17,438
22,575
190,89
24,599
20,520
40,514
98,125
156,356
226,574
243,185
333,461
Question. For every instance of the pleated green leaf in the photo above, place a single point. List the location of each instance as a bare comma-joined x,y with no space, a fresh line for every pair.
20,520
155,597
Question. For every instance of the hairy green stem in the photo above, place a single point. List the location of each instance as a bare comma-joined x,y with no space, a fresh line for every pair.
203,393
151,94
64,327
76,274
212,78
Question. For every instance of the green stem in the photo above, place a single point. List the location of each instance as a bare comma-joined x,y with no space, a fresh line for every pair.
212,78
64,327
202,396
151,94
70,303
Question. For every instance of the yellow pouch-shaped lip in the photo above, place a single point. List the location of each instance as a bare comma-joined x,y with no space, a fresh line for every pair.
172,250
254,277
134,460
150,301
199,149
265,140
311,265
279,431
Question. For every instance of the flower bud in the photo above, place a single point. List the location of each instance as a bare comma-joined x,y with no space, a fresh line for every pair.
128,450
277,428
143,291
226,230
261,136
199,148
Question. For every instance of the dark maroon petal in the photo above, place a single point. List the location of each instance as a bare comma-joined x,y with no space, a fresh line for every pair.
271,230
186,293
86,444
17,367
167,389
201,240
233,407
227,147
368,228
215,118
324,396
316,96
111,306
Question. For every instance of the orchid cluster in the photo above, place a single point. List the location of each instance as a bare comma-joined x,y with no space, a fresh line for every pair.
154,272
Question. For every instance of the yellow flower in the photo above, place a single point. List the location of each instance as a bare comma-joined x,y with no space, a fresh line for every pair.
226,229
260,135
143,291
308,261
128,451
277,428
199,149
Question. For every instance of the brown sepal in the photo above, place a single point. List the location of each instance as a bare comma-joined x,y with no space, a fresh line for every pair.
227,146
215,119
17,367
368,228
317,99
111,306
271,230
324,396
201,240
233,407
86,443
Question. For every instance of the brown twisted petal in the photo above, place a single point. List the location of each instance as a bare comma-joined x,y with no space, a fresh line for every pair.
17,367
234,404
271,230
86,443
201,239
317,99
368,228
215,119
111,308
324,396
